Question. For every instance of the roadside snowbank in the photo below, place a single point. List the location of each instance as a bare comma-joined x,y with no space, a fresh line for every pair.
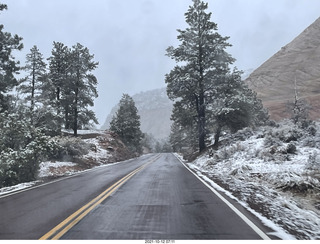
9,189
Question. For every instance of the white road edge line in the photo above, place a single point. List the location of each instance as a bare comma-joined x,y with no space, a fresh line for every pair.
241,215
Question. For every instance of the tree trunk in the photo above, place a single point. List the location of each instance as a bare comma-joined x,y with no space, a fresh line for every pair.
217,137
201,124
201,108
75,121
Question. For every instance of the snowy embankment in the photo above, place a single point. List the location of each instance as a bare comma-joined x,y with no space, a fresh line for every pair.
97,153
275,173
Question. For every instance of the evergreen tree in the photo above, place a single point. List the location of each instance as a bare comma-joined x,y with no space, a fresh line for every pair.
206,92
184,128
126,123
203,61
71,86
58,97
81,87
234,105
8,65
32,85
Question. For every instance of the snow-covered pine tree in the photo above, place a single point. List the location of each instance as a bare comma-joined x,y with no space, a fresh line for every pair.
205,90
31,86
8,65
81,87
234,106
184,128
126,124
203,60
58,97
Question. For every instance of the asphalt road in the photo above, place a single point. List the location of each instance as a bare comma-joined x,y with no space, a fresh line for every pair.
151,197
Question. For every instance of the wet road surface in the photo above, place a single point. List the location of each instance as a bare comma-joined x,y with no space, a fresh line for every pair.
151,197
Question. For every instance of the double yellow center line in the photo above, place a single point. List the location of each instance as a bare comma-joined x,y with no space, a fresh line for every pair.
62,228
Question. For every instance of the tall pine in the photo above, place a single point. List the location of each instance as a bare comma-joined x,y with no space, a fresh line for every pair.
71,85
36,70
59,72
82,86
208,95
203,60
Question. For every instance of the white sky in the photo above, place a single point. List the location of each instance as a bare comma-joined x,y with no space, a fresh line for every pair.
129,37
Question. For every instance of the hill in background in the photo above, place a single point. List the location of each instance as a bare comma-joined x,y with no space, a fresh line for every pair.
298,61
154,108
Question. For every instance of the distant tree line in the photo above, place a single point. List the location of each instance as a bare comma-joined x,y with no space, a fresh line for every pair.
48,99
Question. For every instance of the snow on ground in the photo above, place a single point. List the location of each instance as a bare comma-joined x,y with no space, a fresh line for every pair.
49,168
99,153
9,189
276,178
83,132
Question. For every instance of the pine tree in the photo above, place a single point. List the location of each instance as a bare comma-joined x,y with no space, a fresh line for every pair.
82,87
32,85
235,106
184,129
208,95
203,62
56,92
57,79
126,124
8,65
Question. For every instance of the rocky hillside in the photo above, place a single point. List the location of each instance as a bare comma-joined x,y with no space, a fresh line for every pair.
154,108
298,61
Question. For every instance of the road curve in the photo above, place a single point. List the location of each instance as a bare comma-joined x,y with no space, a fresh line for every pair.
151,197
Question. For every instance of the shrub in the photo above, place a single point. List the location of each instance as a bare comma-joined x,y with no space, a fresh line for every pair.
291,148
70,148
314,161
22,165
270,140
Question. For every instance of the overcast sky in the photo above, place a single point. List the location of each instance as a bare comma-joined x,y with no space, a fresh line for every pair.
129,37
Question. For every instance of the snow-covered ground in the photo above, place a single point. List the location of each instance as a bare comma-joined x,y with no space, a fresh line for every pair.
10,189
275,173
56,168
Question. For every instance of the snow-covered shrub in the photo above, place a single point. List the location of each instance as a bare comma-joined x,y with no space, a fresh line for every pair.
312,130
228,151
243,134
70,148
297,183
291,148
17,166
313,162
270,140
22,147
8,175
